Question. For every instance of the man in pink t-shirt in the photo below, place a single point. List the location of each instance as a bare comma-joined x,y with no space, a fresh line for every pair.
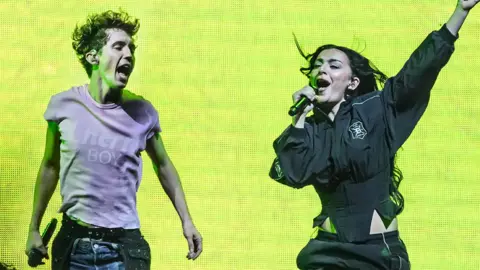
96,133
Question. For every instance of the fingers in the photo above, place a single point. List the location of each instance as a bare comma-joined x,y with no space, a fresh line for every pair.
307,109
198,247
195,247
42,249
191,247
306,91
309,93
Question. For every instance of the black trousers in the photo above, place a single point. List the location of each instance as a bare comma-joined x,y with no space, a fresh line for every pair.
134,249
382,251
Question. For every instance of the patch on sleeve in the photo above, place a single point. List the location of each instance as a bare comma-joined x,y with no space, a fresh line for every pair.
276,172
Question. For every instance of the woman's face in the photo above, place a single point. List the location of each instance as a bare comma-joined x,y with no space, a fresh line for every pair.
332,76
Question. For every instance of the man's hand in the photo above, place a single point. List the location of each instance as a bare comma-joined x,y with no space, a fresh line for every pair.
194,240
467,4
34,241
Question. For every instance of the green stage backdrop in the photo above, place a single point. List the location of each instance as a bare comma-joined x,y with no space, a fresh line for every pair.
221,74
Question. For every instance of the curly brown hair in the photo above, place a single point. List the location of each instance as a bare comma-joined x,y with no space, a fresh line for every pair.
92,35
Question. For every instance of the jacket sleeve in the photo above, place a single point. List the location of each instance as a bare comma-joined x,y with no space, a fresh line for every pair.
301,156
406,95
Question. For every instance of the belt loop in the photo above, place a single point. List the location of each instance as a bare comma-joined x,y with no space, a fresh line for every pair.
74,247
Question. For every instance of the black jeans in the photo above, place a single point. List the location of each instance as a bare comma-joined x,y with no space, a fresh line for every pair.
386,252
134,249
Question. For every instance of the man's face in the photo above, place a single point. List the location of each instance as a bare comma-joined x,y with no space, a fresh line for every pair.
116,59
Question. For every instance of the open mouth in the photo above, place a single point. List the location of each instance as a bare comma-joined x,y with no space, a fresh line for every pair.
322,84
124,71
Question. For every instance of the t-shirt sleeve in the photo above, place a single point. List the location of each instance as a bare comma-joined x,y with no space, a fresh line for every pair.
155,124
51,113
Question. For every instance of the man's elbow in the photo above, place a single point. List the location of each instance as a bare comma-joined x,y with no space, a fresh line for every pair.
166,172
48,174
159,163
50,164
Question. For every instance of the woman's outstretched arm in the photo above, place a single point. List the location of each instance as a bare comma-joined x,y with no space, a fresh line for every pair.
459,15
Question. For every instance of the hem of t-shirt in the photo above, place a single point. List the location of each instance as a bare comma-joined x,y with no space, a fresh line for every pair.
151,133
95,223
84,90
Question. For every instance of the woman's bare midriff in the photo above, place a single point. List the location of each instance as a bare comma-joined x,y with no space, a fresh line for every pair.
376,226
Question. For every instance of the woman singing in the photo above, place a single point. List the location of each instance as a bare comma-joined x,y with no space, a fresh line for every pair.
346,149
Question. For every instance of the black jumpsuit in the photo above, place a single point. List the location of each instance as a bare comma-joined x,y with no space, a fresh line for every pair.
349,162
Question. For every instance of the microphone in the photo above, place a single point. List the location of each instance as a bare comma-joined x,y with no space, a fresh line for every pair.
299,106
303,102
34,256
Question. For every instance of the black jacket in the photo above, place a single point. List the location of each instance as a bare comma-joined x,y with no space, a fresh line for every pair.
350,161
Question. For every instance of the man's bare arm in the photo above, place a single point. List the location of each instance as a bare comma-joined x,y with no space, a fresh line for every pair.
47,177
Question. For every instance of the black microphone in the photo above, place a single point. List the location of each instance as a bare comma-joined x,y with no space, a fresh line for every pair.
303,102
299,106
35,256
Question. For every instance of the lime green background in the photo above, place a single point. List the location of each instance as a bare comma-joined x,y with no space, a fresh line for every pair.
221,74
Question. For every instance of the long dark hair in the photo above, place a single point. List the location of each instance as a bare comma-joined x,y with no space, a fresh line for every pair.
371,79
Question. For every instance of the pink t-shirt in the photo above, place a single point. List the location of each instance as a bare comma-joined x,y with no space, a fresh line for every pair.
100,162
